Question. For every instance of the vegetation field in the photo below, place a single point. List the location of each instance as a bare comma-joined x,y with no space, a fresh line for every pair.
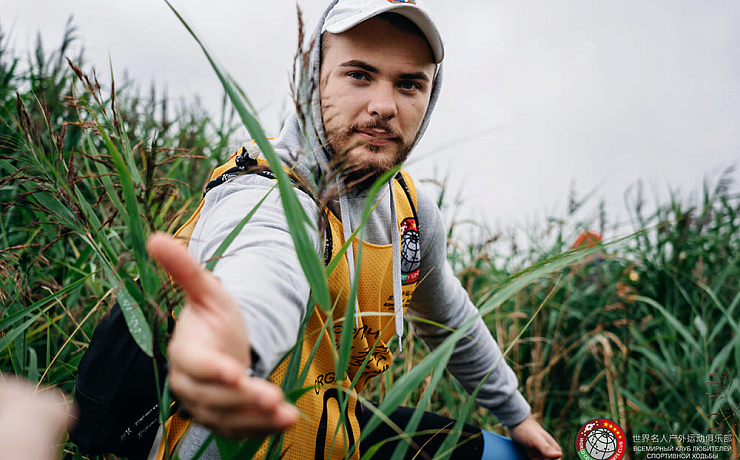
641,330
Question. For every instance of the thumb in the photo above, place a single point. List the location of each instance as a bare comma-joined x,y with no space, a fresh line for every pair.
182,267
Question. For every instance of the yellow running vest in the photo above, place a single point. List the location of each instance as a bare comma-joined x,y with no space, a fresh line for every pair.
320,434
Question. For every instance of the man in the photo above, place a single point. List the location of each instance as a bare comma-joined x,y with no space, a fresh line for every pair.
378,71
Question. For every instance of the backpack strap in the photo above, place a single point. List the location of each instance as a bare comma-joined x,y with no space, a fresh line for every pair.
401,178
246,161
243,161
174,428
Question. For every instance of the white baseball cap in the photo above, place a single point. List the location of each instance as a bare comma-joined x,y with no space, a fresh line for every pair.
348,13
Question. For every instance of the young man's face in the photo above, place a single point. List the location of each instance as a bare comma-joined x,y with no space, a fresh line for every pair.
376,80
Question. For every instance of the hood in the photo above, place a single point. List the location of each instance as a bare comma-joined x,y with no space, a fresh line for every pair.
302,141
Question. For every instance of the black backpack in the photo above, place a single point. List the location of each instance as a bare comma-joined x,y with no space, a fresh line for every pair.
116,393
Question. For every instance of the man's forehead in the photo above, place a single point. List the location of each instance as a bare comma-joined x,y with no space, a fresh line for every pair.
377,42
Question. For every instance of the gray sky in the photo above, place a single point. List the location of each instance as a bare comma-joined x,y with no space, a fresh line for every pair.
537,94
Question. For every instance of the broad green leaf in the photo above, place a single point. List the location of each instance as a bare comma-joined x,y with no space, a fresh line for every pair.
137,323
238,450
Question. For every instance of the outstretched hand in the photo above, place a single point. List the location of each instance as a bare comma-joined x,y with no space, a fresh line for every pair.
209,354
535,441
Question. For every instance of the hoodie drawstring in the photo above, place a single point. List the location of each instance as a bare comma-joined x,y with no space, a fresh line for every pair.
397,291
347,230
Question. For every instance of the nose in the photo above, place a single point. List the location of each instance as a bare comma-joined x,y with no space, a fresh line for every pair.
383,102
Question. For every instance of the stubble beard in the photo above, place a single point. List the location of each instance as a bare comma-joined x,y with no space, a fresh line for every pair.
348,153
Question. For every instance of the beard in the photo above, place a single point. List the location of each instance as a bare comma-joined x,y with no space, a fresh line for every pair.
363,162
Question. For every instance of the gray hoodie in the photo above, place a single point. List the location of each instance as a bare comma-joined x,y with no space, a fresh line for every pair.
262,272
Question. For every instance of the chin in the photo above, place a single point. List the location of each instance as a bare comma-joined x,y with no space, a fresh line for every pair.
373,158
361,167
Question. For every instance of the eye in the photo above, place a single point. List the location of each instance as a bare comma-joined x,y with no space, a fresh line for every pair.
360,76
409,85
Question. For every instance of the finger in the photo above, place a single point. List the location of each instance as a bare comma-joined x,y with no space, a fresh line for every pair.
266,394
254,394
544,446
184,269
240,424
256,407
553,450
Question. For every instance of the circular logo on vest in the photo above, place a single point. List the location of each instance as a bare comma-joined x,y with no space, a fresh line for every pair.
600,439
410,251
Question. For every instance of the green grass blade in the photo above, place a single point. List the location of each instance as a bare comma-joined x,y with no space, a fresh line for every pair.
202,449
418,373
368,208
400,452
348,327
524,278
104,177
10,320
450,443
673,321
295,215
16,333
149,280
377,413
348,324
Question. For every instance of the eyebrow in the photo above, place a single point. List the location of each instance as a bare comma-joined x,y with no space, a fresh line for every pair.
369,68
360,64
414,76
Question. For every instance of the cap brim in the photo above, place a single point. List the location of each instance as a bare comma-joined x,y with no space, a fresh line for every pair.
416,15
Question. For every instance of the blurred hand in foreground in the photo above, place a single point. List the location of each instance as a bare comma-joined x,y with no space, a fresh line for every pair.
31,422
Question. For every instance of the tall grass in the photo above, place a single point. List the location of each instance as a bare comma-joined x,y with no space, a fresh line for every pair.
87,173
641,330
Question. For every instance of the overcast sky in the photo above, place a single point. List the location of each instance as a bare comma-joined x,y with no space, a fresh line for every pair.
537,94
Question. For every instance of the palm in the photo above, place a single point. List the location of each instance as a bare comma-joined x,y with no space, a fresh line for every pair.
212,321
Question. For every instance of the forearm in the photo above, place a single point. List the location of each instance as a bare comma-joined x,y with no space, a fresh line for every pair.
476,358
440,298
260,269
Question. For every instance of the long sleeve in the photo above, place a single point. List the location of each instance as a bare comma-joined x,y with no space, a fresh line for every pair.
441,298
260,269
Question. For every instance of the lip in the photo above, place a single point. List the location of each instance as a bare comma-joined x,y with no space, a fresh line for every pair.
376,137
